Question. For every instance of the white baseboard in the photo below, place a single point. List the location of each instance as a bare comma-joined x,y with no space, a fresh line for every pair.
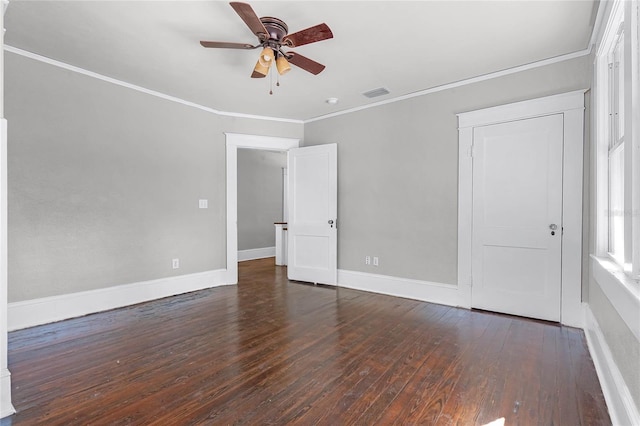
622,409
444,294
259,253
6,409
34,312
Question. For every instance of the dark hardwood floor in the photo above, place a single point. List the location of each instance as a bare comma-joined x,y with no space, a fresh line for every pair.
269,351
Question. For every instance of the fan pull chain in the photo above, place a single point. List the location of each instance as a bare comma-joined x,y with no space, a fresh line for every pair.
271,83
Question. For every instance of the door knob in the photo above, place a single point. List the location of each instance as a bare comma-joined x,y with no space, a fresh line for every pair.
553,226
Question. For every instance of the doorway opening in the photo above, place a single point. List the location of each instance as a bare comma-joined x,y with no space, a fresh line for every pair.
261,191
235,141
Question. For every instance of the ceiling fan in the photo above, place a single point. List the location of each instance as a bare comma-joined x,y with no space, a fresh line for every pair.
273,36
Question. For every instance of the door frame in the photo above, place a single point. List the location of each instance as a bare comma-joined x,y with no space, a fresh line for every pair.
571,105
233,142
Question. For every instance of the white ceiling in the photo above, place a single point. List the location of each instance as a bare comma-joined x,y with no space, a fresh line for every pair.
403,46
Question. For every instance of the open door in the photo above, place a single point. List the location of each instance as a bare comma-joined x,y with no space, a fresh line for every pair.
312,225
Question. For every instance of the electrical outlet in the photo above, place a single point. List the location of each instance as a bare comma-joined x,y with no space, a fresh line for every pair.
203,204
367,260
175,263
376,261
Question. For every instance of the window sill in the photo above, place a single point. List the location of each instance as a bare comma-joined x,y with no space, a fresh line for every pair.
622,291
619,266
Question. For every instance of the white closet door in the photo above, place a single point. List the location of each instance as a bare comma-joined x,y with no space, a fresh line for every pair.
517,217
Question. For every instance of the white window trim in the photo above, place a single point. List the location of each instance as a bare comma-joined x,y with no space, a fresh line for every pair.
618,10
634,130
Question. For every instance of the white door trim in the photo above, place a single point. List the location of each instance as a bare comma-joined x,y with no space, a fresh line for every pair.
571,105
6,408
233,142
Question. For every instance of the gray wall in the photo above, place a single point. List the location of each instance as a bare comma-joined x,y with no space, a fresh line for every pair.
398,171
104,182
259,196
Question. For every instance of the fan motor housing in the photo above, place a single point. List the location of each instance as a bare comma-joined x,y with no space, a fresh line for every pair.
276,27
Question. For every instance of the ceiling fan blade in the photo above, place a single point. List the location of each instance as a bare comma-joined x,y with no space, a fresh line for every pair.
260,71
245,11
226,45
305,63
256,74
310,35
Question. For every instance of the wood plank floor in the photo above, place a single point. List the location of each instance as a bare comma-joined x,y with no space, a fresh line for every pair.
269,351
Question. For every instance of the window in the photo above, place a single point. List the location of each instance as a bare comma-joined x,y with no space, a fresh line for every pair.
615,188
617,110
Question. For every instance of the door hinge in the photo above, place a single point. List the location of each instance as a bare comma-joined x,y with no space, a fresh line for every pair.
471,150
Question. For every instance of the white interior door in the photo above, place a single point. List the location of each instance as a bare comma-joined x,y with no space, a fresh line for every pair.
312,233
517,217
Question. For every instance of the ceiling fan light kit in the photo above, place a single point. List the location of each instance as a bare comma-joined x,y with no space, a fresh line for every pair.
266,57
282,65
260,69
273,36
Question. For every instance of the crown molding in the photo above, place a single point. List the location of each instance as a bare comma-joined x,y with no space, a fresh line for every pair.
424,92
170,98
459,83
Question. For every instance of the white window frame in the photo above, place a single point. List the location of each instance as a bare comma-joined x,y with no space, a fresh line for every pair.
616,145
619,12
